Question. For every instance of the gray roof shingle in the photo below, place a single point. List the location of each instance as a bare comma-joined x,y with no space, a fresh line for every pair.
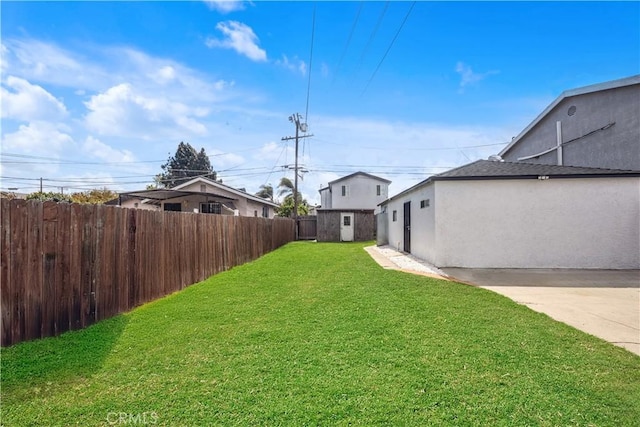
494,169
488,169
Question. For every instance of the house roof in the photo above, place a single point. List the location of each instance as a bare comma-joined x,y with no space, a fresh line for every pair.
167,193
226,188
492,170
614,84
359,173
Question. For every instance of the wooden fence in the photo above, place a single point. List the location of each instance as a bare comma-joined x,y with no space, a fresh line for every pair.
67,266
307,228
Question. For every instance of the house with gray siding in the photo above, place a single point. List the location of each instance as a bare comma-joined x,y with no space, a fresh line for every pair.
594,126
348,205
565,193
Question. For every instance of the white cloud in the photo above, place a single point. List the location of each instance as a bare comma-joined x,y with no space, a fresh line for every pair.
42,138
164,75
221,160
122,111
239,37
467,76
29,102
225,6
47,63
295,64
39,61
98,149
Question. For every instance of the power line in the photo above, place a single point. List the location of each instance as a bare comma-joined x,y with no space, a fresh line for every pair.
313,29
306,113
372,36
415,148
389,48
346,46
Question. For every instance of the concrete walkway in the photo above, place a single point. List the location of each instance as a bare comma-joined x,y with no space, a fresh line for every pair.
604,303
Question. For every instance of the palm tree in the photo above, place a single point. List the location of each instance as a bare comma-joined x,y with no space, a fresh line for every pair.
266,192
286,187
286,190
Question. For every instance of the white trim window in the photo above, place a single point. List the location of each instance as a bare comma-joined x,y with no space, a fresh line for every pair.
211,208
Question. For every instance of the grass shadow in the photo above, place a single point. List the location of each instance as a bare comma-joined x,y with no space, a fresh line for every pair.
61,359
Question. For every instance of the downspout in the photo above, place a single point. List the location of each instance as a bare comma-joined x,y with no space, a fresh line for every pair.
559,141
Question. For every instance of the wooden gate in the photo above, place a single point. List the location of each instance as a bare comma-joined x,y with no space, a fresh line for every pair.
307,227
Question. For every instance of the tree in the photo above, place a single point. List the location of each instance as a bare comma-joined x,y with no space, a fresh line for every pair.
266,192
184,165
286,207
95,196
43,196
285,186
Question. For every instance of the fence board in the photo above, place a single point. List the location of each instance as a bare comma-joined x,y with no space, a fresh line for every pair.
76,230
33,275
48,298
66,266
6,283
63,281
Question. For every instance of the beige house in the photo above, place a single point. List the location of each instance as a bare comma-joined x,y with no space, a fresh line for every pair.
201,195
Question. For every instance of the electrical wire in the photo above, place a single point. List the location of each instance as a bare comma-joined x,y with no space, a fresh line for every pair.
346,46
371,37
389,48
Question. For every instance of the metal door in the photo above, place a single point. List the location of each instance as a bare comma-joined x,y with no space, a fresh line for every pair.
407,227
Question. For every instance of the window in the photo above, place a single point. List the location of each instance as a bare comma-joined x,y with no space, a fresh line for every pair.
347,221
378,190
344,190
424,203
395,216
255,213
173,207
265,211
203,188
211,208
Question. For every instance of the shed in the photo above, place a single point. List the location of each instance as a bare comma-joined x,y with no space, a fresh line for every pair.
346,225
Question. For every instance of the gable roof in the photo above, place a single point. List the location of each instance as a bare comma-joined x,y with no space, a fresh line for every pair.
488,169
359,173
159,194
176,190
614,84
226,188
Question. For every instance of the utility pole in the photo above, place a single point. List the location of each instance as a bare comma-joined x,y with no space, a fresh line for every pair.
295,119
41,184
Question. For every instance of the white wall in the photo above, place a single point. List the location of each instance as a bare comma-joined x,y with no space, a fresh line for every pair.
361,193
244,205
137,204
325,198
555,223
423,222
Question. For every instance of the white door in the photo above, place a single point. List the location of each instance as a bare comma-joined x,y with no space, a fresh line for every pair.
346,227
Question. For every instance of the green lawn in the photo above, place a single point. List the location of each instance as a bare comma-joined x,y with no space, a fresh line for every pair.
319,334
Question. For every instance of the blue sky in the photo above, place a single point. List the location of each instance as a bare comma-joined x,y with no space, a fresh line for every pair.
99,94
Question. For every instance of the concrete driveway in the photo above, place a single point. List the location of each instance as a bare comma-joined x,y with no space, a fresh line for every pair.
604,303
